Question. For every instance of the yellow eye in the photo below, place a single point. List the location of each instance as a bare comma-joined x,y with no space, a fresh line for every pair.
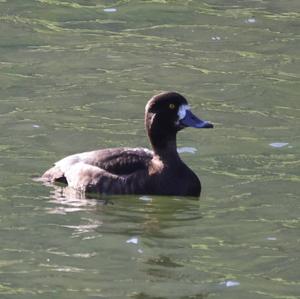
172,106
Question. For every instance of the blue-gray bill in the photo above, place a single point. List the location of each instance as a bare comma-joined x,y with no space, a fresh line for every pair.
191,120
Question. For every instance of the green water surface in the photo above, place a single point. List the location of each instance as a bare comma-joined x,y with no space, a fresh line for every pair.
75,76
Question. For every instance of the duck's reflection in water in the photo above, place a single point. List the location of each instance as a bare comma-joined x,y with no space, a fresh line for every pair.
150,234
144,215
69,200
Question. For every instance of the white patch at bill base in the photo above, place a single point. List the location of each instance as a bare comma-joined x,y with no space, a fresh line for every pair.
182,111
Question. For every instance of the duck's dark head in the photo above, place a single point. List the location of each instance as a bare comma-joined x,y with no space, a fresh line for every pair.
165,115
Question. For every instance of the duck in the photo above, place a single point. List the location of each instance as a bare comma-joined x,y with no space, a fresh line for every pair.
125,170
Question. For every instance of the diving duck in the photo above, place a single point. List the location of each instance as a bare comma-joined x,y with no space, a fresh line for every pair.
138,170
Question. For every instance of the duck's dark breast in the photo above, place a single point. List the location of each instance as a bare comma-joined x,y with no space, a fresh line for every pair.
176,179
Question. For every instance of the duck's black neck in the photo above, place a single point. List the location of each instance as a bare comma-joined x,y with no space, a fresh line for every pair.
164,145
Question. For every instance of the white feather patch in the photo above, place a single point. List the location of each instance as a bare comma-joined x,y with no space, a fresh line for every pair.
182,111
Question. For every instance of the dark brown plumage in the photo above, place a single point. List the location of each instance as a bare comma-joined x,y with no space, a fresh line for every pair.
138,170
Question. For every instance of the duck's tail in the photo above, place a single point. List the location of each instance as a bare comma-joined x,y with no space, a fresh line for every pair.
52,175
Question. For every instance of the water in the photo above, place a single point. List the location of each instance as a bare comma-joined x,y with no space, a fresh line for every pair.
75,76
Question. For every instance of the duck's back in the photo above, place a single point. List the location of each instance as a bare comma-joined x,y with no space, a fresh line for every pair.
119,161
104,170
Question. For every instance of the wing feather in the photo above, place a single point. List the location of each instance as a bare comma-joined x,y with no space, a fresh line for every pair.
106,162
